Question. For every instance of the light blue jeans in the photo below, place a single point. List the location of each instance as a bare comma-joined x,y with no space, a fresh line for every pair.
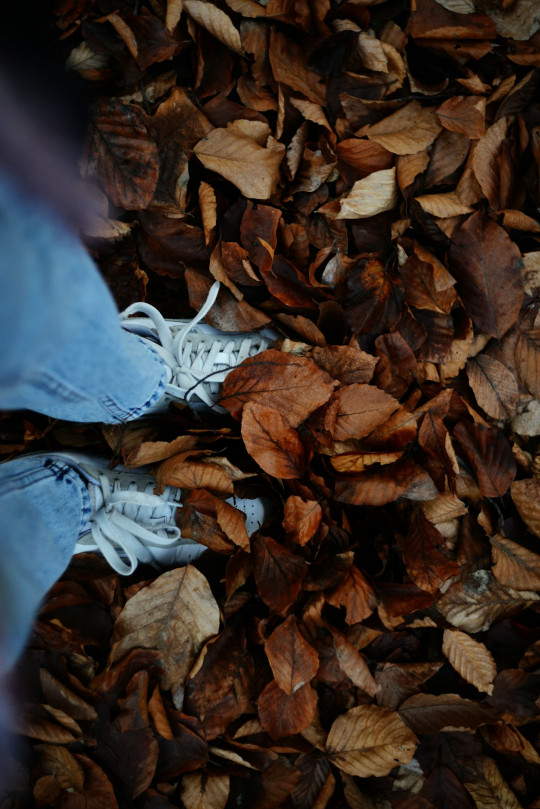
63,354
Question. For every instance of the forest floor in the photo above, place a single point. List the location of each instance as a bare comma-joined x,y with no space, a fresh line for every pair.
363,177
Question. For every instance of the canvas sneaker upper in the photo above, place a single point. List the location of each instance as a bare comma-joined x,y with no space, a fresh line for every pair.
198,357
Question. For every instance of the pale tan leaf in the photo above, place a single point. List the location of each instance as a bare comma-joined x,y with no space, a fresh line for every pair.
173,14
514,565
253,169
526,496
369,741
531,271
409,130
149,452
374,194
519,221
443,508
493,385
443,205
521,21
101,227
371,52
216,22
485,160
488,789
310,111
259,131
125,33
199,790
176,615
86,62
470,658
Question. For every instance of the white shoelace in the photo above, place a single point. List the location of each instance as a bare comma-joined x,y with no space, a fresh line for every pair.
190,368
114,530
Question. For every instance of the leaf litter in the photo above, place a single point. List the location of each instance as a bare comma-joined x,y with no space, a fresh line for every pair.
364,177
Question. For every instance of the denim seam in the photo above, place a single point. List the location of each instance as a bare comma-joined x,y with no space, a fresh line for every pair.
136,412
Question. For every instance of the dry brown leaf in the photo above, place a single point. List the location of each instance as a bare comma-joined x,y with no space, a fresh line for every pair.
216,22
153,451
528,360
301,519
488,788
193,475
514,565
284,714
201,790
443,205
464,114
470,658
487,266
526,496
358,461
430,713
443,508
409,130
493,385
253,169
208,206
374,194
485,161
369,741
361,408
531,271
475,603
272,442
176,614
173,14
292,660
294,385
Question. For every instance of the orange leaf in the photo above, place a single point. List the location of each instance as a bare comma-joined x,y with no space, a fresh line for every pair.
284,714
403,479
272,442
361,408
301,519
293,385
354,593
292,660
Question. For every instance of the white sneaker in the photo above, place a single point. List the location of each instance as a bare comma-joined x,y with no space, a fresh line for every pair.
197,356
131,524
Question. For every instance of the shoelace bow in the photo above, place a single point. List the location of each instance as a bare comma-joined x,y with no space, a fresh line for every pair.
191,369
113,529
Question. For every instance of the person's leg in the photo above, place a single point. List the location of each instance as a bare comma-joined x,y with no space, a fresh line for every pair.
44,506
64,352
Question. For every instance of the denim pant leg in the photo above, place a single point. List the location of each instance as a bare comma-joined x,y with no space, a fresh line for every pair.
44,506
63,351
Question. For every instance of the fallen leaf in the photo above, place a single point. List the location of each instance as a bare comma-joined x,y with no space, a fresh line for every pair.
514,565
175,614
301,519
216,22
487,267
464,114
374,194
488,788
407,131
272,442
429,713
278,573
201,790
121,155
425,555
470,658
285,382
361,408
253,169
489,455
493,385
368,740
284,714
292,660
528,360
526,496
